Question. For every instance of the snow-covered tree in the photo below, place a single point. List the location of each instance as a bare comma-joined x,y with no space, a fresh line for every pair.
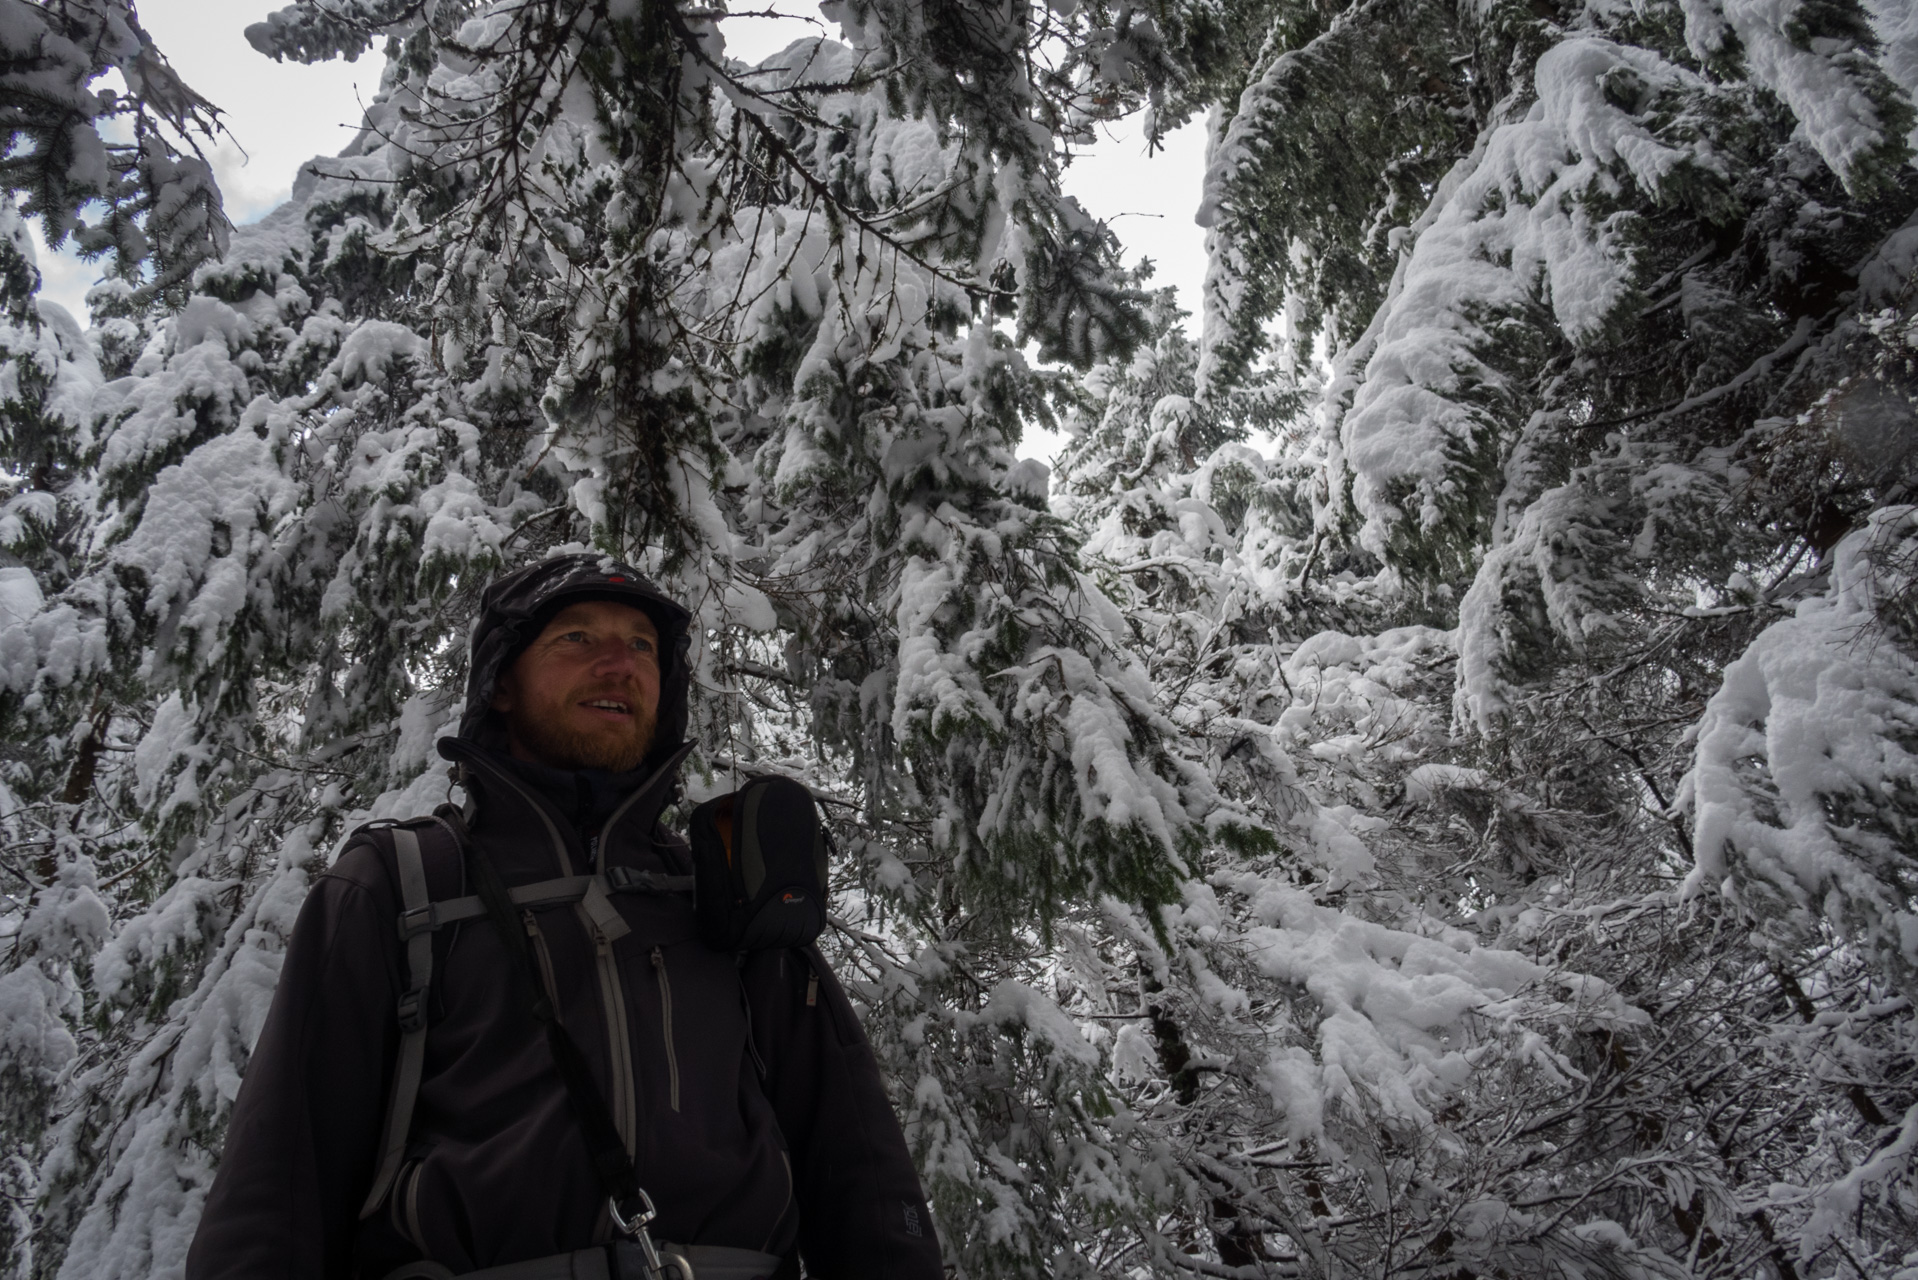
580,280
1568,625
1430,792
102,142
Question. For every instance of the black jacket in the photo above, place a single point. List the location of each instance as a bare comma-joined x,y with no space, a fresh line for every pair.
809,1155
803,1154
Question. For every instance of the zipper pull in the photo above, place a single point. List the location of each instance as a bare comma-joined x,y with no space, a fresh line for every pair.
812,988
659,959
549,995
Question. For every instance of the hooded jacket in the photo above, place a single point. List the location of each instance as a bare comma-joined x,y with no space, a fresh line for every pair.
744,1089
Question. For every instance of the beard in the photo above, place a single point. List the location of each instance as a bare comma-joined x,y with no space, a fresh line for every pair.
546,733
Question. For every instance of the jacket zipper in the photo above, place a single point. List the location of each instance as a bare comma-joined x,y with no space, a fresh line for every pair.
625,1101
666,1021
545,959
612,992
618,1035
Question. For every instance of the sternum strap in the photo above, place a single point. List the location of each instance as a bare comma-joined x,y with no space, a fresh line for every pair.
420,917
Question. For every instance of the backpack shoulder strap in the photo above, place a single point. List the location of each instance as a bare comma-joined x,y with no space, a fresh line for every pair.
420,918
417,927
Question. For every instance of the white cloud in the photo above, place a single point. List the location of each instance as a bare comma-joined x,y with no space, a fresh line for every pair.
64,277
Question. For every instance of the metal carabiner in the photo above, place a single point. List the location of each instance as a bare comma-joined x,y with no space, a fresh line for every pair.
634,1228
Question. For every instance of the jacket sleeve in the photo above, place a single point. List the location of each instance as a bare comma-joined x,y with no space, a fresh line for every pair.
301,1143
861,1211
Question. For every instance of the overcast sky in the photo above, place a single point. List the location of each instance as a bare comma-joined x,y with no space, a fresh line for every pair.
280,115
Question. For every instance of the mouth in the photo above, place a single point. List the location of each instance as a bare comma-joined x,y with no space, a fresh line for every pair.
612,707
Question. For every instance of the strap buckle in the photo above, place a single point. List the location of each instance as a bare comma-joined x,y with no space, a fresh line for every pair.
413,1011
417,921
626,879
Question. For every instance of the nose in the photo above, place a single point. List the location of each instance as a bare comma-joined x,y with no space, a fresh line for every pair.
615,659
615,656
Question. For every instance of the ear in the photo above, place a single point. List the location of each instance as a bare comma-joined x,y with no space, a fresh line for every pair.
504,692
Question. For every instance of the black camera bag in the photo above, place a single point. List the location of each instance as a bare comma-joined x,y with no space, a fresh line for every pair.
759,867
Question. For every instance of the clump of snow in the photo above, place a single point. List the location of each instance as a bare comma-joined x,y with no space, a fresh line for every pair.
1425,783
1400,1013
1558,551
1805,772
39,998
1818,79
1031,478
373,348
1013,1004
20,596
1896,25
1514,234
1883,1175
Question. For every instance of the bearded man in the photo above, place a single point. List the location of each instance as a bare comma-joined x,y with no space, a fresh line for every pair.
402,1115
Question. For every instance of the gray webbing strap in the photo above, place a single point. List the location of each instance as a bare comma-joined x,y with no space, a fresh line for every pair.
420,918
412,1012
600,909
630,880
429,916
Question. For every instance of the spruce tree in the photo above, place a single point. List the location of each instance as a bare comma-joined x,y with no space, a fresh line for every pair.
582,281
1590,311
1427,789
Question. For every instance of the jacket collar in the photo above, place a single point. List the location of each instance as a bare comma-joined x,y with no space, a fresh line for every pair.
529,834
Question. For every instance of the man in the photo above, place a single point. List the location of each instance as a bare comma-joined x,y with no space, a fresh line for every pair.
742,1088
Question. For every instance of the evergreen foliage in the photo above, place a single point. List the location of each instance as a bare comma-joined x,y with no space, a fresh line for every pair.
1559,626
117,170
1429,789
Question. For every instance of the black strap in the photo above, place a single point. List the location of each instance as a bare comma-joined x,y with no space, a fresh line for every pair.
611,1161
746,1007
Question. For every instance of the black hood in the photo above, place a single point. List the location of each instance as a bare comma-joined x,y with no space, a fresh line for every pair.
514,609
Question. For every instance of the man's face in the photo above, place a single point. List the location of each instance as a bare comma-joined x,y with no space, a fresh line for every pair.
585,694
